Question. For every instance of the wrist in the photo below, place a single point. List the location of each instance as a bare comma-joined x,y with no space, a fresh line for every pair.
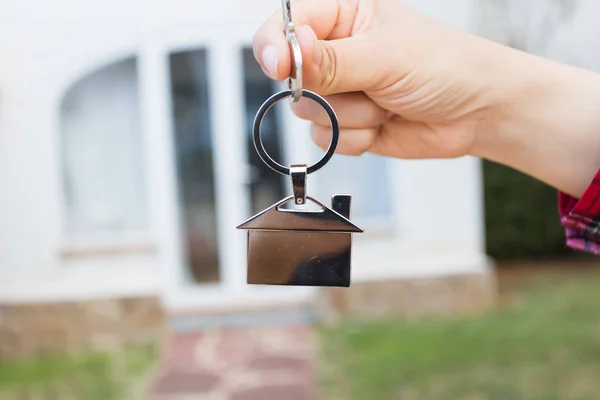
543,120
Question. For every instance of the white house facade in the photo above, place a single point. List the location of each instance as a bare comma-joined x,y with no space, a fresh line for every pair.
126,163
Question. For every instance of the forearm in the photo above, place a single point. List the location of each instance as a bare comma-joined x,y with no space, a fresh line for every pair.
545,121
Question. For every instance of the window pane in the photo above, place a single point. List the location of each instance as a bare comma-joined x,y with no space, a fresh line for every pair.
194,158
266,186
366,178
102,152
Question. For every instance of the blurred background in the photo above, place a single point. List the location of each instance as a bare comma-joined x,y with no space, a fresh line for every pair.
126,162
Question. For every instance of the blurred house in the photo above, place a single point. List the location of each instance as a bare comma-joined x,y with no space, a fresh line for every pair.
563,30
126,162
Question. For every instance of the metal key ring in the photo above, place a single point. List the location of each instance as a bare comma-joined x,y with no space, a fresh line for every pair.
270,102
295,83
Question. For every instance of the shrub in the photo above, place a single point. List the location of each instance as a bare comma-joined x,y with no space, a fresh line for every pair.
521,216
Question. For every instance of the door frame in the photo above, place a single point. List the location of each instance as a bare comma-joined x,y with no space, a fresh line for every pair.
225,68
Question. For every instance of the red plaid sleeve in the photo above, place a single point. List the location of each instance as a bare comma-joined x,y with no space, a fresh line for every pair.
581,218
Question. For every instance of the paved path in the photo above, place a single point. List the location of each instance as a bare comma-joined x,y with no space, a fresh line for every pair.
271,363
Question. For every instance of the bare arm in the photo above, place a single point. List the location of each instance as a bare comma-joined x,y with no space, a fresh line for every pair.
545,121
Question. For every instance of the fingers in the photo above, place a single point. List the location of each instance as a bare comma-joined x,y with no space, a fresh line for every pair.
397,138
270,46
405,139
354,110
359,117
353,142
334,61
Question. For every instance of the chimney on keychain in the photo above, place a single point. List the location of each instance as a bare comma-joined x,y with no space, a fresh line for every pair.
341,204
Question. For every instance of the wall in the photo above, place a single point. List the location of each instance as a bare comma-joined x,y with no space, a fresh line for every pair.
564,30
106,324
50,45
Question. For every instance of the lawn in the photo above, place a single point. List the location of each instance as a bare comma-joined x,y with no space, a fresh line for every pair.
543,344
90,376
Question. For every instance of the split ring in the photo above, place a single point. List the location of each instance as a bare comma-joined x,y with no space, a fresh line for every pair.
270,102
295,83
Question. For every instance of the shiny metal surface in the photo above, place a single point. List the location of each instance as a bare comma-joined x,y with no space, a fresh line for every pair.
295,83
326,220
298,174
301,248
270,102
299,258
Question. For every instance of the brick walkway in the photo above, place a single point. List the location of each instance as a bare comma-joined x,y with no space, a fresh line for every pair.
269,363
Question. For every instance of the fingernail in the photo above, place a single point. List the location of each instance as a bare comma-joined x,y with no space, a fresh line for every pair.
269,60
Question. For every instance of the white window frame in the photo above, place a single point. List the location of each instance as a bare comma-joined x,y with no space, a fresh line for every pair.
82,245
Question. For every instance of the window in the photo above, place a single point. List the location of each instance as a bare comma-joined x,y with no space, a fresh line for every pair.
366,178
266,186
102,153
194,159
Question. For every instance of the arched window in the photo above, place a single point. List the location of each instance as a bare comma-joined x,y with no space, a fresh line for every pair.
102,152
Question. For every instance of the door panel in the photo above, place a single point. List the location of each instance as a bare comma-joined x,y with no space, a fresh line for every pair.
265,186
193,145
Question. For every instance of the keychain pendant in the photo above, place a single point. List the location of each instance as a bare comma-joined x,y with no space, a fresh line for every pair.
301,248
298,247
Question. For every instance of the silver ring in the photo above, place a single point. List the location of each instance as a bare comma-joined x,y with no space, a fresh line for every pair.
270,102
295,84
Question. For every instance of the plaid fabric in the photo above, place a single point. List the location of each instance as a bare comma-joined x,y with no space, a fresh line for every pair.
581,218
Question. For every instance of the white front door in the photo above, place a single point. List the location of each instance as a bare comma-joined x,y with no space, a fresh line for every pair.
216,177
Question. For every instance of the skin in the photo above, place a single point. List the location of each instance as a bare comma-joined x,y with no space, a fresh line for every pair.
409,87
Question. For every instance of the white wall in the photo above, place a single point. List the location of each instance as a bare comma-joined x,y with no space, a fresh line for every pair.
566,31
46,46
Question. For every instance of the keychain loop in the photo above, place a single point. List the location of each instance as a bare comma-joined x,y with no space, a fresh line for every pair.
294,84
270,102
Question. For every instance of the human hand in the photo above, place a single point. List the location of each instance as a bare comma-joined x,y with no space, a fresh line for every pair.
401,84
406,86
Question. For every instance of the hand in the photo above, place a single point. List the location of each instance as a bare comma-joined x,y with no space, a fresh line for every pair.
401,84
406,86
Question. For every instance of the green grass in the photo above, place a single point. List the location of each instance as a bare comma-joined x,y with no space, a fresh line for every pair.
90,376
545,345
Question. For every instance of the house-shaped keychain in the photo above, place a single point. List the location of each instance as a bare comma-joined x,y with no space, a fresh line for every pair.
303,248
293,246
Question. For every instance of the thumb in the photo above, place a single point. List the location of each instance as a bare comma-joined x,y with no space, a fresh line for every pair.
345,62
338,66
